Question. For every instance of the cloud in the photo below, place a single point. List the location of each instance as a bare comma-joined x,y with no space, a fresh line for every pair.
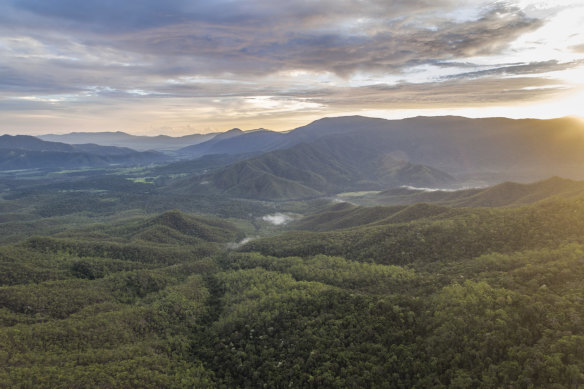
455,92
277,219
122,46
578,48
257,57
520,69
382,44
260,36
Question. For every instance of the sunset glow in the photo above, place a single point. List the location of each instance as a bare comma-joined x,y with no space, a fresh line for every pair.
183,67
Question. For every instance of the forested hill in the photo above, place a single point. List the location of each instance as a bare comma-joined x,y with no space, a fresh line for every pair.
171,227
404,296
316,169
501,195
334,155
345,215
421,233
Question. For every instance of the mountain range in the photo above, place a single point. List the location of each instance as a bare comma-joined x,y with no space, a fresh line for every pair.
315,169
28,152
333,155
122,139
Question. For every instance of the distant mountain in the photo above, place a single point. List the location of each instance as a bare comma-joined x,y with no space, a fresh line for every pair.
502,195
491,150
487,150
237,142
316,169
31,143
27,152
261,141
140,143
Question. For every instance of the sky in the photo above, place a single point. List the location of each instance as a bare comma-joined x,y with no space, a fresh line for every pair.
178,67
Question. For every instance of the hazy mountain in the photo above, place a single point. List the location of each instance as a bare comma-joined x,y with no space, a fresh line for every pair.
261,140
487,150
140,143
492,149
31,143
27,152
316,169
237,142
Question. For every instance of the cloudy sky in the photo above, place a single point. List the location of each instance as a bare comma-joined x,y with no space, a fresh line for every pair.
186,66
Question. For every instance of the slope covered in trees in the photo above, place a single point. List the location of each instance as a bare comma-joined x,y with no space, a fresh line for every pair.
316,169
403,296
501,195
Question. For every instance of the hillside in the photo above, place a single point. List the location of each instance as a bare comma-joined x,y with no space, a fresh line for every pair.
345,215
316,169
426,233
172,227
97,289
502,195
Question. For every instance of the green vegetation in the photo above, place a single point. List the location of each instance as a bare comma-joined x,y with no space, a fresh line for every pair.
179,275
507,194
403,296
310,170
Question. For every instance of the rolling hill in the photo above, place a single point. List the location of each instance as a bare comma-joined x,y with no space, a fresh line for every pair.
502,195
171,227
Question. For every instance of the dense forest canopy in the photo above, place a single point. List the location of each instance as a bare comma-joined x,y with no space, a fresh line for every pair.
396,296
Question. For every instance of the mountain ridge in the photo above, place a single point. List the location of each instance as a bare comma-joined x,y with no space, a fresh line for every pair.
136,142
315,169
28,152
488,150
